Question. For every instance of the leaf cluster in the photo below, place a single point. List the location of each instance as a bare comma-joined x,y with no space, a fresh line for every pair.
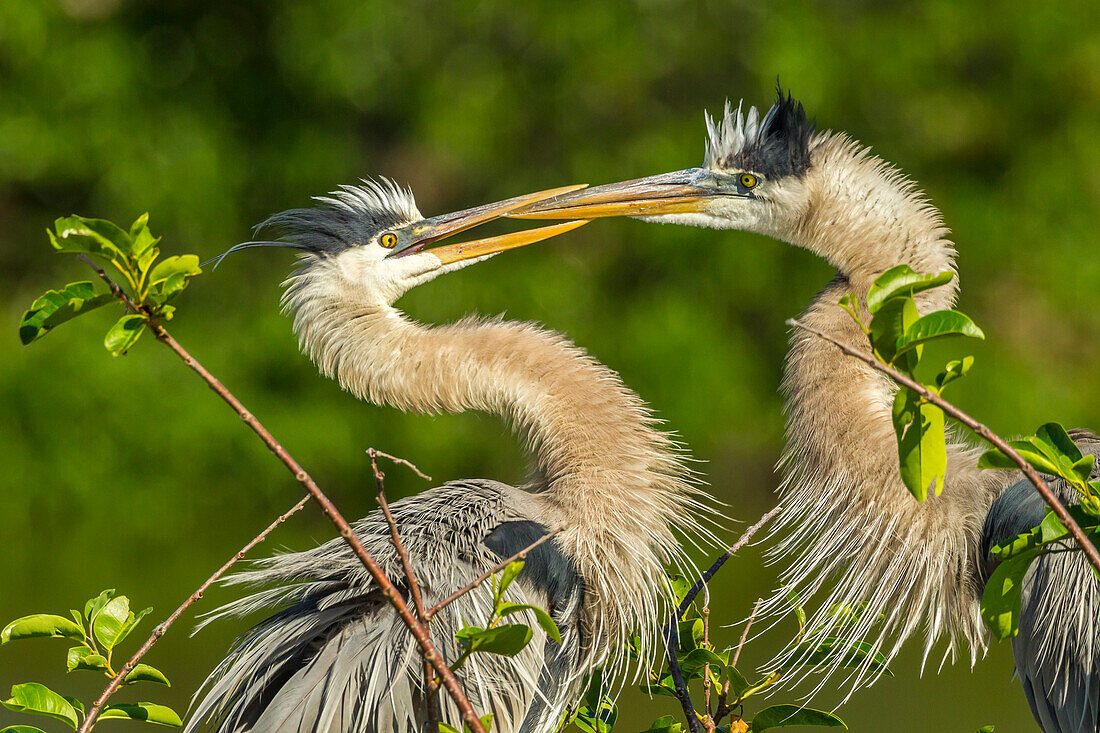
898,334
149,284
1050,451
105,623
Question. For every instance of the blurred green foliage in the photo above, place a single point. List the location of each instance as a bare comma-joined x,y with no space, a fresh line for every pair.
213,115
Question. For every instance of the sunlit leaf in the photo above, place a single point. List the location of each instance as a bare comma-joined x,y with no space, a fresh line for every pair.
124,334
91,236
889,326
131,623
111,620
507,639
922,445
145,673
902,280
54,307
93,605
1000,606
956,369
41,625
787,716
31,697
690,634
541,616
147,711
21,729
84,657
937,325
176,265
507,577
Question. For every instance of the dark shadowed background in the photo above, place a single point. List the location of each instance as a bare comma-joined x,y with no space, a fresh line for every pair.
128,473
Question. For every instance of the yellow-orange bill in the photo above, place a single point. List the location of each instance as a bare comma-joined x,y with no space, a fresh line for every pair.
491,245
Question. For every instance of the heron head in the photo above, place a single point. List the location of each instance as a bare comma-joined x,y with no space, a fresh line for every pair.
372,236
752,178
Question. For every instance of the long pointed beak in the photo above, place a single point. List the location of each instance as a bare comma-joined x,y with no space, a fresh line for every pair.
417,237
680,192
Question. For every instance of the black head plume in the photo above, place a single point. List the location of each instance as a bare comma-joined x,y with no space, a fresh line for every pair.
348,217
777,145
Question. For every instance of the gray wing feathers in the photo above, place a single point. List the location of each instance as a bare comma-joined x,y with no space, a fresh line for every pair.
339,658
1058,648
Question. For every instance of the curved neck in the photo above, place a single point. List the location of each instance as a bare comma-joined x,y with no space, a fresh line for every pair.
847,507
600,468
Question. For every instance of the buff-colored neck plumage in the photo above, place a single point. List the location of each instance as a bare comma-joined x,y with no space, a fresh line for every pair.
850,519
600,468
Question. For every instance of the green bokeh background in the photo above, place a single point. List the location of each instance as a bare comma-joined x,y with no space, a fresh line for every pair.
127,472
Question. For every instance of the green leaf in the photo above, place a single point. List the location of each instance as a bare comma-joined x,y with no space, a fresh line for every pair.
541,616
41,625
84,657
124,334
832,651
922,445
91,236
956,369
131,623
738,683
796,605
663,686
31,697
93,605
690,634
938,325
507,639
176,265
111,620
21,729
889,325
145,673
680,587
665,724
147,711
1000,606
507,577
692,663
787,716
79,706
985,729
444,728
994,459
140,236
902,280
54,307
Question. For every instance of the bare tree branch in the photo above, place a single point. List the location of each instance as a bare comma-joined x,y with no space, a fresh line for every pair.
489,573
159,631
389,591
981,430
430,687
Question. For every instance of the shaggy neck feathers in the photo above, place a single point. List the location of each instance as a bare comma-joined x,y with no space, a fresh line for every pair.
849,518
599,467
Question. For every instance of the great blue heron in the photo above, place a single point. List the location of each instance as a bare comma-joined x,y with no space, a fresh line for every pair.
337,657
855,534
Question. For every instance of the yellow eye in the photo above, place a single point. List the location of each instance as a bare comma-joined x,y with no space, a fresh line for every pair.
748,180
389,240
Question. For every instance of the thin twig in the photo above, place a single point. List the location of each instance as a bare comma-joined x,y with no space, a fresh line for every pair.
708,721
159,631
490,572
716,566
1090,550
722,710
672,635
374,452
387,588
745,633
431,688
